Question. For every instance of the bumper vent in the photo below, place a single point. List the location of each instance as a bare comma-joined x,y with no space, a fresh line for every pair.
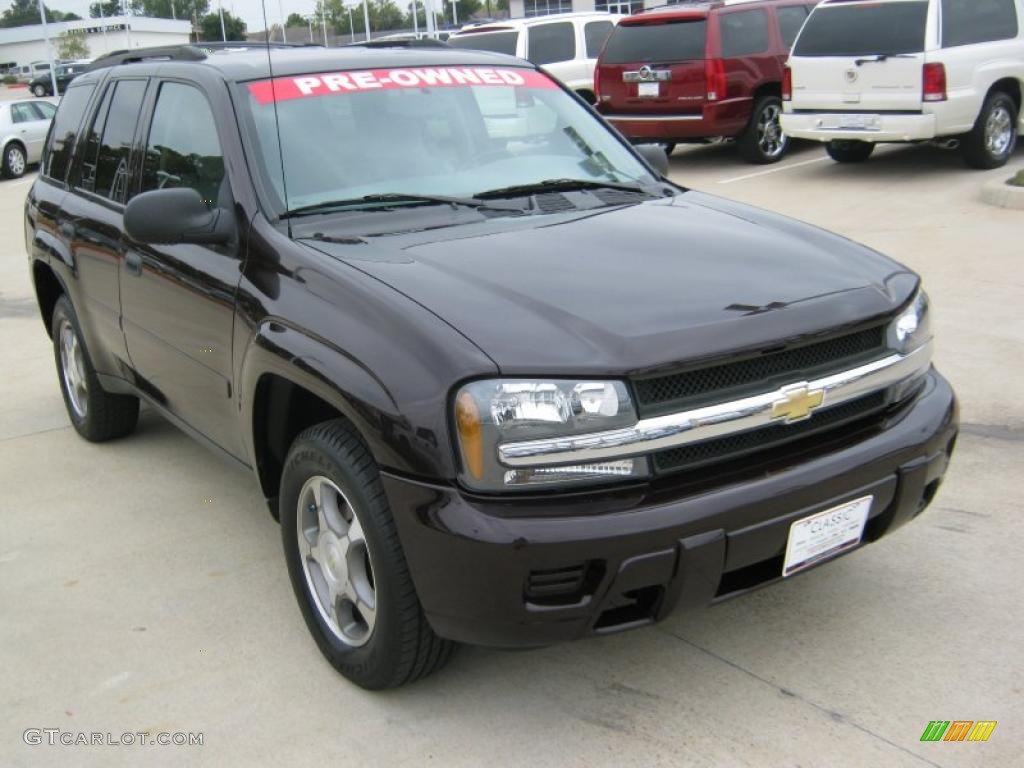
564,586
767,438
729,380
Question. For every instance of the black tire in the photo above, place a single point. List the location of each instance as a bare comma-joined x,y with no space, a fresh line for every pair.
669,147
400,647
979,149
849,151
38,91
14,161
105,416
763,141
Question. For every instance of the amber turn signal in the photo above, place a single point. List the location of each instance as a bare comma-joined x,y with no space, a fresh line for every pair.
467,418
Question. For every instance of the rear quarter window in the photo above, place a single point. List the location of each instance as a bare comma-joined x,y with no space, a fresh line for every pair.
791,19
64,130
744,33
650,43
495,42
863,29
551,43
965,22
595,33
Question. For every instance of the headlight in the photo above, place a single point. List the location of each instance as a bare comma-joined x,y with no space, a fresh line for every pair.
913,328
491,412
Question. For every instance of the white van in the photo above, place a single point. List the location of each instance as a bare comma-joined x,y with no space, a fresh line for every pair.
565,44
863,72
28,72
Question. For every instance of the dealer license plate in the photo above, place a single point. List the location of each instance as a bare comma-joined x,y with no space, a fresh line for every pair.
651,90
825,534
855,122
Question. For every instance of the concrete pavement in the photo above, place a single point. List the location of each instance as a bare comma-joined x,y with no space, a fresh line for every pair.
142,585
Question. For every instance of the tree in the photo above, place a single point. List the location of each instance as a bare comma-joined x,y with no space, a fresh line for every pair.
165,9
71,44
209,27
295,20
23,13
110,8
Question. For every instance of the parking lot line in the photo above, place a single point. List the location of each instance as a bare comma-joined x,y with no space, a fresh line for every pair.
777,169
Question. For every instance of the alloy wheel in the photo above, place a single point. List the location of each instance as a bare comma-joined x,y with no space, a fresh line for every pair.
999,131
770,136
336,561
72,368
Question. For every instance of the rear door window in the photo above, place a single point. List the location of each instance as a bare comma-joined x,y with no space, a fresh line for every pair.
744,33
965,22
649,43
551,43
23,113
64,129
45,109
791,19
111,169
495,42
595,33
864,29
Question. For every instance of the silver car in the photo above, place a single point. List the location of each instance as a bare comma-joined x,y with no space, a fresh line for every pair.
23,127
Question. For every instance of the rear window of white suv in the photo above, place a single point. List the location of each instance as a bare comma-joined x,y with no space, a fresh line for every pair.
864,29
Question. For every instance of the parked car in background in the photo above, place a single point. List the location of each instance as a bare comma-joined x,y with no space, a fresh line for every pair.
863,73
23,127
42,85
686,73
28,72
566,44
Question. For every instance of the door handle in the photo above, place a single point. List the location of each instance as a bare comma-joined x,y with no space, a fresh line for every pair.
133,263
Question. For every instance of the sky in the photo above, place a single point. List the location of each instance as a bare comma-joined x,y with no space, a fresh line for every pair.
251,11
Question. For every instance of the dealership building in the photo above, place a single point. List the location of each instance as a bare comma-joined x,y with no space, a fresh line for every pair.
520,8
25,45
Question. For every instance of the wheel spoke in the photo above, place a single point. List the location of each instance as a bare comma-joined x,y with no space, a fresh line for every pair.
368,612
354,534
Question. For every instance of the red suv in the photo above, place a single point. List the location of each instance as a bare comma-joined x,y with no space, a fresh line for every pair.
688,72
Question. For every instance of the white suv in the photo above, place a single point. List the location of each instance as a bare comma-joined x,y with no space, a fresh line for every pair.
566,44
868,71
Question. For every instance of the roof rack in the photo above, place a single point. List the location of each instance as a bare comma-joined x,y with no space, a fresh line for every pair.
186,52
425,42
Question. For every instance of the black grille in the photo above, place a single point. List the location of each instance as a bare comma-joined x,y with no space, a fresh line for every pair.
611,196
732,446
665,393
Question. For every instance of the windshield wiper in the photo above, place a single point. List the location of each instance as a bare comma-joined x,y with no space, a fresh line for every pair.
882,57
559,185
394,197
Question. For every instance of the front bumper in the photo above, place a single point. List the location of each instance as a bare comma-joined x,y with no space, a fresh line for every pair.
489,571
823,126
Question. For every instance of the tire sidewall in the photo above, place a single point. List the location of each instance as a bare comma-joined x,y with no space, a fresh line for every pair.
753,140
371,663
39,92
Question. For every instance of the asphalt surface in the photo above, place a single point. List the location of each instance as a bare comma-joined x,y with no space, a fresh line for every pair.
142,586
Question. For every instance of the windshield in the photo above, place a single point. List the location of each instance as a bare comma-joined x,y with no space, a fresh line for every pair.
437,131
863,29
496,42
673,41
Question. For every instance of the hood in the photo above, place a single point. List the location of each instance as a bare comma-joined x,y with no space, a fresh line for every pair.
630,289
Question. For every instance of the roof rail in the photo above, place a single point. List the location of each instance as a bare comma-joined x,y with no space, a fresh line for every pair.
426,42
186,52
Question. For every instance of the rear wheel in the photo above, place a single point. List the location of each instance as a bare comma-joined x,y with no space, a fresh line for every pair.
763,141
96,415
994,136
347,566
846,151
38,90
14,161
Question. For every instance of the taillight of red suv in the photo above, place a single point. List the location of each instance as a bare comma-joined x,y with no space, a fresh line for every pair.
934,82
714,75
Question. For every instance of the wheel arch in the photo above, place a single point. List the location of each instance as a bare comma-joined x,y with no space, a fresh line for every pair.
1011,86
769,88
49,289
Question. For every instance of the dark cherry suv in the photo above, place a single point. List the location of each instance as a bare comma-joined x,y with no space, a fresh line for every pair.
500,381
692,72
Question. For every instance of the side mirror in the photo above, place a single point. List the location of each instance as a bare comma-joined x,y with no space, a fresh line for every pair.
655,156
179,215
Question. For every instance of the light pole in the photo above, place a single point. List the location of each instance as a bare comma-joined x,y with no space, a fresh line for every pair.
455,14
323,20
415,20
127,24
284,23
49,48
366,18
223,31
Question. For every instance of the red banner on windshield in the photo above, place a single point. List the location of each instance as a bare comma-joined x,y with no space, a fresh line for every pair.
321,84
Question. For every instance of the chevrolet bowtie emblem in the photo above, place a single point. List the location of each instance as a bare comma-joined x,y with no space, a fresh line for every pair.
797,402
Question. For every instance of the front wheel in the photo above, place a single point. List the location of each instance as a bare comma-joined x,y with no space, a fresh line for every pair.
763,141
994,137
847,151
38,90
347,566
